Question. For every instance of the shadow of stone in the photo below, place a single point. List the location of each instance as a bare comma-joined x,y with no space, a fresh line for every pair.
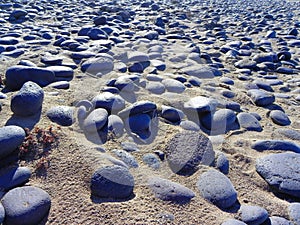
233,209
24,122
99,200
44,220
274,107
100,137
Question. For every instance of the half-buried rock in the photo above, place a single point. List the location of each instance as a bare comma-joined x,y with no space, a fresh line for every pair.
281,172
10,138
62,115
167,190
186,150
112,182
26,205
28,101
215,187
13,177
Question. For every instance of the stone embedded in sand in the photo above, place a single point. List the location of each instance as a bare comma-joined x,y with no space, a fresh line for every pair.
60,85
288,133
8,41
138,108
62,115
222,162
126,157
215,187
294,212
172,85
280,118
276,220
103,64
96,120
233,222
13,177
10,138
245,64
171,114
16,76
26,205
112,182
167,190
186,150
253,215
201,104
28,101
281,171
260,97
152,160
155,87
276,145
248,122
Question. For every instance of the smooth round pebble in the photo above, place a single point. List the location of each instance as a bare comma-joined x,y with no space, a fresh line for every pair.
10,138
112,182
215,187
280,118
62,115
253,215
13,177
95,120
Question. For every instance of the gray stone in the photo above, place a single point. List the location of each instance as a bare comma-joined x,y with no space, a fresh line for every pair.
215,187
28,101
13,177
111,102
294,212
167,190
26,205
280,118
186,150
260,97
281,172
248,122
152,160
253,215
112,182
233,222
62,115
126,157
221,120
10,138
283,145
95,121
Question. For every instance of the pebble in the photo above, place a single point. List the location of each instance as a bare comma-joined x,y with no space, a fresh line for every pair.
281,172
283,145
28,101
260,97
61,71
215,187
112,182
248,122
288,133
167,190
130,146
16,76
222,162
101,64
189,125
172,85
10,138
111,102
95,121
276,220
200,104
26,205
280,118
13,177
171,114
115,125
294,212
126,157
60,85
253,215
155,87
152,160
62,115
138,108
186,150
220,121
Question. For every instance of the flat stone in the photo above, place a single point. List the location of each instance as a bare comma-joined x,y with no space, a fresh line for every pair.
167,190
186,150
172,85
16,76
101,64
283,145
281,172
26,205
215,187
